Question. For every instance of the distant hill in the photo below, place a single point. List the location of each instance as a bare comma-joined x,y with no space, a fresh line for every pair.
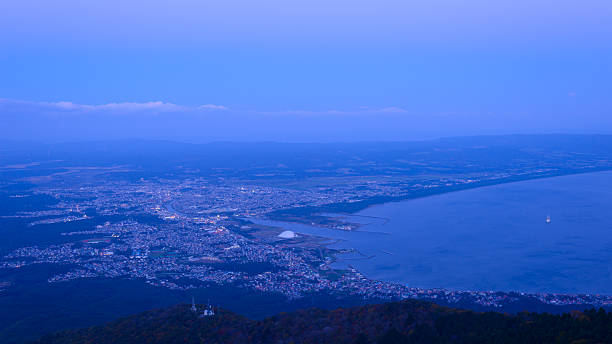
407,321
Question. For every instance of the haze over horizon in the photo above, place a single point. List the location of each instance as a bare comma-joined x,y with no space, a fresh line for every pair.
305,71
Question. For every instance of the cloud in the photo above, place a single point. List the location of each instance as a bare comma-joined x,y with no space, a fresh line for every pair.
117,107
154,107
124,107
212,107
393,109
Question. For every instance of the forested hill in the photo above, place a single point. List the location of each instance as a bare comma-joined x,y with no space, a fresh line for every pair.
407,321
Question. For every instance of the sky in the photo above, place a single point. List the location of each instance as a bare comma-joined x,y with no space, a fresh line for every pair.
303,71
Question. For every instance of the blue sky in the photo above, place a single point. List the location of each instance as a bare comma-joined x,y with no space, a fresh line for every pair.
303,70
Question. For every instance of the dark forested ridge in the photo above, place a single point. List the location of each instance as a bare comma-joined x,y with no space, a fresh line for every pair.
407,321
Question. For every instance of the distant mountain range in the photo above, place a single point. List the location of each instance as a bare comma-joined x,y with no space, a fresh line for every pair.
408,321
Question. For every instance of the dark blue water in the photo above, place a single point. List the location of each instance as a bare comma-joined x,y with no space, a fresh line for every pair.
491,238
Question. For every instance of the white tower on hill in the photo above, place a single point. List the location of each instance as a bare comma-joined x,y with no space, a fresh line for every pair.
193,306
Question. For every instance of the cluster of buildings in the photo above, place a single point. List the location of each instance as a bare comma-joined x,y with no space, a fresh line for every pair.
184,234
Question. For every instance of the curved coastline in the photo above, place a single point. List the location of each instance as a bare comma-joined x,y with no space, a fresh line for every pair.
514,226
355,207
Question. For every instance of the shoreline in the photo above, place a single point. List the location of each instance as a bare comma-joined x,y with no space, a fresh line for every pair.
535,294
356,207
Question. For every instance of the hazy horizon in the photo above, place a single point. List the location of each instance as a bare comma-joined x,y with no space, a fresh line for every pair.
67,122
305,71
553,136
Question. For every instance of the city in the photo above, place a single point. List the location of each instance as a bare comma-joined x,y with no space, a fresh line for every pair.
186,233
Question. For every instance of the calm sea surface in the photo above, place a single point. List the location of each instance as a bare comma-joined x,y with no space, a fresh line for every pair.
490,238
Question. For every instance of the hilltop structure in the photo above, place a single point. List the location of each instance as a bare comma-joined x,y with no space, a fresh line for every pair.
193,306
208,310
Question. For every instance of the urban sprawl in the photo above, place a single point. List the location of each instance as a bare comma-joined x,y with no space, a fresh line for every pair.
187,233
